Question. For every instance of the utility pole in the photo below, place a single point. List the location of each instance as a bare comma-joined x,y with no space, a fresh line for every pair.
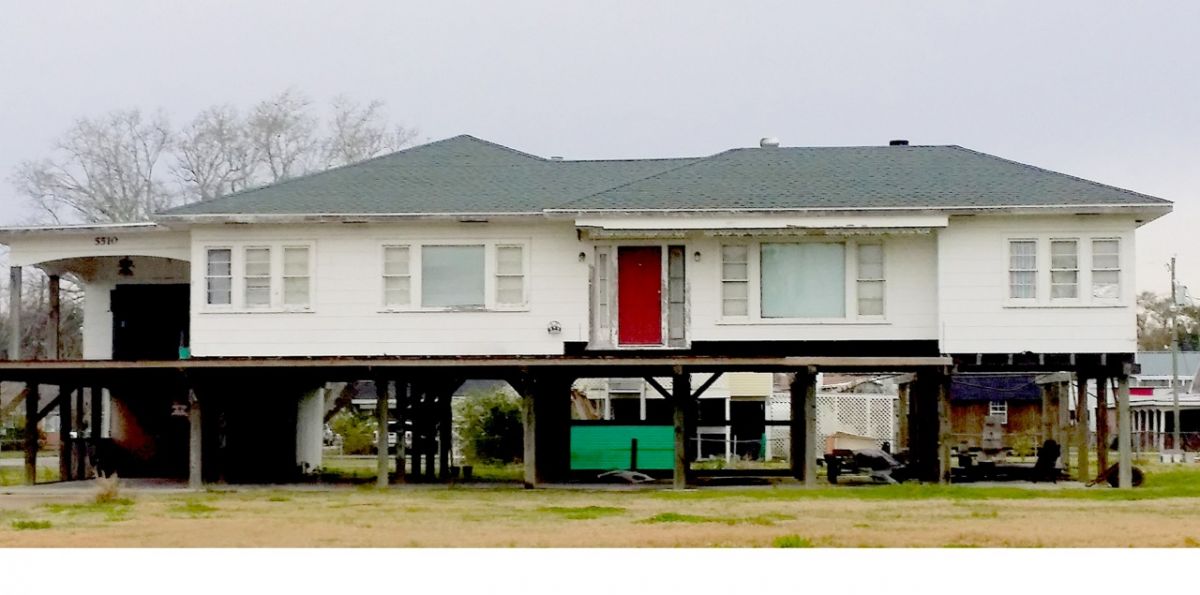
1176,445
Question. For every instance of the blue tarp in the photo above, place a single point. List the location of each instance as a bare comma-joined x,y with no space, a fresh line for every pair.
983,387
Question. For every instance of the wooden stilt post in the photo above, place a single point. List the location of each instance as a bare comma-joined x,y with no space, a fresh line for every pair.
66,446
195,443
402,389
944,437
53,327
681,395
445,417
14,313
1124,437
429,415
418,429
803,453
529,424
1081,428
1064,422
901,418
95,429
1101,424
31,433
382,388
80,454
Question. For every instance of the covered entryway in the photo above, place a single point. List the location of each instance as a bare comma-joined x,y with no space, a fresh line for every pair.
150,322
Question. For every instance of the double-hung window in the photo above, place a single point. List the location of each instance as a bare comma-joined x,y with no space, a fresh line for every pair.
455,277
510,276
735,280
397,276
218,277
1022,269
297,278
870,280
257,277
803,280
1106,269
1064,269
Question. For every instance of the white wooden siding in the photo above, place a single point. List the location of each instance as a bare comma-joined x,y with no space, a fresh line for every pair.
910,298
976,315
348,316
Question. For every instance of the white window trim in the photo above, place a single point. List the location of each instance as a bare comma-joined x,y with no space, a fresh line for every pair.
383,277
999,408
283,277
237,303
490,304
858,280
1078,299
1085,300
272,271
754,294
1038,259
495,275
233,278
1120,270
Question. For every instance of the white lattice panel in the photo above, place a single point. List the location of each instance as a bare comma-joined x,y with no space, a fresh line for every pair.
873,416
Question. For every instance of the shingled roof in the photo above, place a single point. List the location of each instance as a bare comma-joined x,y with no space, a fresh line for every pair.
467,175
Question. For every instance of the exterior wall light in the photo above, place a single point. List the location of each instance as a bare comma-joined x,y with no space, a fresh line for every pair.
696,256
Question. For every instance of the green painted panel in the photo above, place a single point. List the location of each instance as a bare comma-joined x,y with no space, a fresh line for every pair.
596,447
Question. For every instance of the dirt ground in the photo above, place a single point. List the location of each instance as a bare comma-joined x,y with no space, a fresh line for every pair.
507,517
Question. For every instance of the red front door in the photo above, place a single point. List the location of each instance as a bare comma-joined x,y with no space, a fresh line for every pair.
639,295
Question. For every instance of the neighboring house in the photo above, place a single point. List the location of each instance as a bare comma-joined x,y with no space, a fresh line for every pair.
1156,371
466,248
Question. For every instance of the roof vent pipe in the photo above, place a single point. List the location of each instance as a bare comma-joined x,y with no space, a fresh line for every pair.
898,143
768,142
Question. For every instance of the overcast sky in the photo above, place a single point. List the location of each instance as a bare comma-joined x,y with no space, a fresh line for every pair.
1111,94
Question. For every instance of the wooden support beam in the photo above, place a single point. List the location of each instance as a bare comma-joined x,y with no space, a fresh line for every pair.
681,390
529,423
1082,462
31,433
44,411
402,399
195,443
1124,437
418,440
706,384
1102,424
53,326
429,415
14,313
803,456
902,417
65,446
658,387
382,388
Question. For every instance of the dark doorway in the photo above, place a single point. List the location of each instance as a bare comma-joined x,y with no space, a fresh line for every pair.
747,420
150,322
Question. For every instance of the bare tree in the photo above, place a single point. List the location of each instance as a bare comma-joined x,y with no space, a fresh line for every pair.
103,170
284,135
214,154
361,131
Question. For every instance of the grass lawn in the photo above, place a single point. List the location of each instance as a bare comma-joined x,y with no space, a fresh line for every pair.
1163,513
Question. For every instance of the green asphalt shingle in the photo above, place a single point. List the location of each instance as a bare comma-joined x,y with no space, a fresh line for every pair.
464,174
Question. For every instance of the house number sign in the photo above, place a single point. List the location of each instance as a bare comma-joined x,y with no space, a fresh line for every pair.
106,240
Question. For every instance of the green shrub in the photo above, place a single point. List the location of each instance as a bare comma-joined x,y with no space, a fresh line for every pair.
357,432
490,427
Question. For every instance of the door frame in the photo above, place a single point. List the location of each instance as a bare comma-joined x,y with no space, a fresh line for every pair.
611,339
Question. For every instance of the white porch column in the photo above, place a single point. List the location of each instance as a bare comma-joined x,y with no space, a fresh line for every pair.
14,313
